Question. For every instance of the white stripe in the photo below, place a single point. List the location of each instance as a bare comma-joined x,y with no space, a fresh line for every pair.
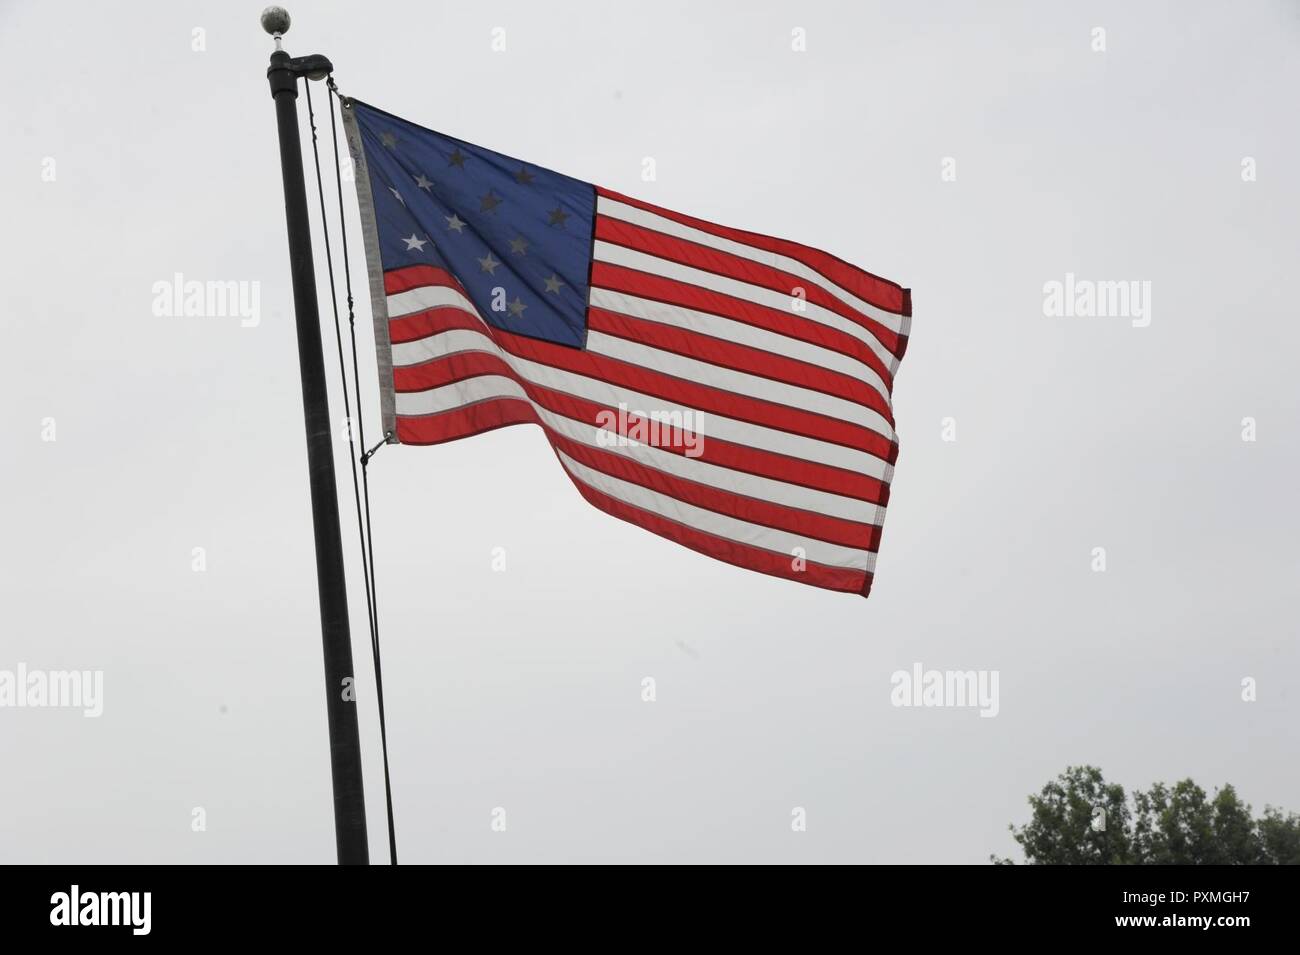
471,390
467,391
720,525
715,326
714,425
666,268
426,296
742,383
652,220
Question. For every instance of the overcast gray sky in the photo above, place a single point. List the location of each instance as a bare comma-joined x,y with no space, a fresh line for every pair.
523,689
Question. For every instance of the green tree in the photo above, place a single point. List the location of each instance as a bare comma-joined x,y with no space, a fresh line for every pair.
1279,837
1080,819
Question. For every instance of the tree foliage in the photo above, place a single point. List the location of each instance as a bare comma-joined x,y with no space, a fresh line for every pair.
1080,819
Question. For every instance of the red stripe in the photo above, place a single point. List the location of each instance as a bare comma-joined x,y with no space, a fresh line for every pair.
417,276
736,267
464,422
462,365
668,388
871,288
731,552
417,325
725,354
618,278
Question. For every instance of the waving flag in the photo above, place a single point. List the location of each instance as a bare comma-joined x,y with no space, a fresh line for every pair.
723,389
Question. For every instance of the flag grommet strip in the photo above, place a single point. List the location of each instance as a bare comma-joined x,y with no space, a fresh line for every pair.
374,272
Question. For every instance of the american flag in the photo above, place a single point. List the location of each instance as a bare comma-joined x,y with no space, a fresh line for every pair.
725,390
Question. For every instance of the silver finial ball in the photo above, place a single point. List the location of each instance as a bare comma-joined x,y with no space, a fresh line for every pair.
275,20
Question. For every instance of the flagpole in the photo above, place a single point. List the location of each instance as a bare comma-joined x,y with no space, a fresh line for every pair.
340,708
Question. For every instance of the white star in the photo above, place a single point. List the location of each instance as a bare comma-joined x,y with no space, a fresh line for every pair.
455,222
415,242
397,195
425,184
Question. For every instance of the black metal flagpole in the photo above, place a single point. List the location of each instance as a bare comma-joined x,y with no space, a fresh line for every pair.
345,740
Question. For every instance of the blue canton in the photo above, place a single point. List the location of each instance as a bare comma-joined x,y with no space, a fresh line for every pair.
518,237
